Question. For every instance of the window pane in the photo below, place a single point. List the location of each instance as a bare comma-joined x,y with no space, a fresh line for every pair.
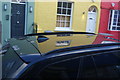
115,20
115,16
69,5
118,21
63,11
62,24
116,12
58,11
113,28
69,12
65,4
58,24
118,24
114,23
58,17
67,18
118,28
67,24
62,18
92,9
59,4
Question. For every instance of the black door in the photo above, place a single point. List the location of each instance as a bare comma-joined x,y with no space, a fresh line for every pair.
17,20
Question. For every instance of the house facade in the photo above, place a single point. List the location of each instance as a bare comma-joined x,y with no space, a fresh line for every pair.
20,17
67,15
110,18
16,17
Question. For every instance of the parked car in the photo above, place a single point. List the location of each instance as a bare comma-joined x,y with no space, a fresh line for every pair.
60,56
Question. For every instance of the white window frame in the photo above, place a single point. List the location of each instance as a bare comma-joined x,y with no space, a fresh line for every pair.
65,28
110,26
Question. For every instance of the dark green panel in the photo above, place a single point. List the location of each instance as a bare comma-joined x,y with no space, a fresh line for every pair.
6,21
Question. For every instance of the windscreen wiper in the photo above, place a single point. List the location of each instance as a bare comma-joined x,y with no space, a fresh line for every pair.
56,33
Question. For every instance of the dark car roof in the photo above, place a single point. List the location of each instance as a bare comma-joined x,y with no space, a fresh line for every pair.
105,55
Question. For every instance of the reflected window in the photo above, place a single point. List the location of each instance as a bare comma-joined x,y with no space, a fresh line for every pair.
19,1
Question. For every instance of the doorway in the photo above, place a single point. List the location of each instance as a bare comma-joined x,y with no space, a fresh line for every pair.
91,21
17,20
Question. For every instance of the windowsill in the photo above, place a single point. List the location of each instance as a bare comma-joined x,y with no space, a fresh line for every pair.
114,30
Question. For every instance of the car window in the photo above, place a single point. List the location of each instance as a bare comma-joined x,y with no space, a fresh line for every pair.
62,70
87,69
108,65
101,66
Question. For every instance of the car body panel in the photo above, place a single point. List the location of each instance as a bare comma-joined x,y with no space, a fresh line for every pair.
24,46
11,63
29,56
103,58
58,42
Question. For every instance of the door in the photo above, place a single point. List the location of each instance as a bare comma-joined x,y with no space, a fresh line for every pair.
17,20
91,22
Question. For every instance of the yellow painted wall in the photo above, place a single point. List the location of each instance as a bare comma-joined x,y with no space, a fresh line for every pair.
46,12
45,15
80,19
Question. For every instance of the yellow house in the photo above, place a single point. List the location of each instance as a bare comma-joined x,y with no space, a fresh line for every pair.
67,15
